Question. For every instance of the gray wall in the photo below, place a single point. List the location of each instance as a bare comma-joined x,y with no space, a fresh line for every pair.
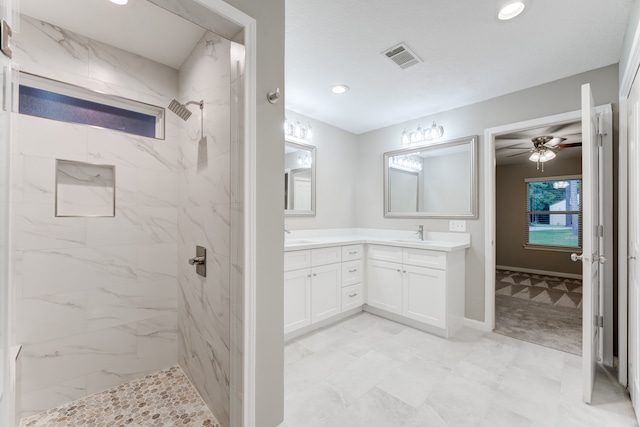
511,220
269,16
336,175
552,98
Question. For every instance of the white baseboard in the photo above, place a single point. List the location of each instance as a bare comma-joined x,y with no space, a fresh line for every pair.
476,324
541,272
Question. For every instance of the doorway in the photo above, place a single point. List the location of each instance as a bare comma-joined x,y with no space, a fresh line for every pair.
538,289
550,123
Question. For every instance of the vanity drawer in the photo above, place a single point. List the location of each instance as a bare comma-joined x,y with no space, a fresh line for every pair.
351,297
351,252
324,256
385,253
425,258
351,272
295,260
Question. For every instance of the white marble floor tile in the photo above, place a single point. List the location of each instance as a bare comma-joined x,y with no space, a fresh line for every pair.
366,371
361,375
414,381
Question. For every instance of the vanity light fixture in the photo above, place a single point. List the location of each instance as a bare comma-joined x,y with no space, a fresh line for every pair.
510,10
408,163
120,2
338,89
297,130
422,135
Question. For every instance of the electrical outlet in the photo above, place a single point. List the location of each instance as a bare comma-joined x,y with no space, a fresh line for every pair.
457,225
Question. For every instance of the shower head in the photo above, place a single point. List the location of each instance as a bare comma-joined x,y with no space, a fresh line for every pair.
181,109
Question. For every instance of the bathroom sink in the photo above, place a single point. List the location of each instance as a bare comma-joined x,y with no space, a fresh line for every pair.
297,241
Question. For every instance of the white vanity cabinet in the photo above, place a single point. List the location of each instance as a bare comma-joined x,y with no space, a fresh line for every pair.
424,288
320,284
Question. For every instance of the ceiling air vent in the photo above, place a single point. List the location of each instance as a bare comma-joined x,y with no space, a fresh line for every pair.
402,56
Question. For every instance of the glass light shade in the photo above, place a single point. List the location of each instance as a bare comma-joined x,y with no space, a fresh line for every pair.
534,157
511,10
547,155
120,2
405,138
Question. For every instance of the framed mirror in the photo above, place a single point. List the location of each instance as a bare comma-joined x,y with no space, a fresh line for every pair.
439,180
299,179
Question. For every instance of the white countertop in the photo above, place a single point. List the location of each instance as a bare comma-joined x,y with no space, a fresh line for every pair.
436,241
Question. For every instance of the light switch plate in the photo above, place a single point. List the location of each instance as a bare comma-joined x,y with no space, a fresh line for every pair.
458,225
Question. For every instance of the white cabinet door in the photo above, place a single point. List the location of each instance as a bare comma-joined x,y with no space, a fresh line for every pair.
384,286
326,291
424,295
297,299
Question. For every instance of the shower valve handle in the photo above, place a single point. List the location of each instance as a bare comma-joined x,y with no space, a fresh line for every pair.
196,260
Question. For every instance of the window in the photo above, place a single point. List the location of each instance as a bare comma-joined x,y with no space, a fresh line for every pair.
554,213
56,100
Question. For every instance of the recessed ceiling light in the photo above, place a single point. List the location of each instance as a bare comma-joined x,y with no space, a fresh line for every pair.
120,2
511,10
339,89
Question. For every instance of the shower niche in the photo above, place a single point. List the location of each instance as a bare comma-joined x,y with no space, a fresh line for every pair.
84,189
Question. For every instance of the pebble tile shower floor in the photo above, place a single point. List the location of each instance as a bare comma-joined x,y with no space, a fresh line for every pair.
165,398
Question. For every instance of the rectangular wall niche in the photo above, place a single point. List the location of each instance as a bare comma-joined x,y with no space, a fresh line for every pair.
52,99
85,190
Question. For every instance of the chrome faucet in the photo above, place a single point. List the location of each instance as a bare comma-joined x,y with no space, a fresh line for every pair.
420,232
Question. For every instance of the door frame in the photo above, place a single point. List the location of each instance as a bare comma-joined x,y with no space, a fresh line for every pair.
628,76
490,213
246,410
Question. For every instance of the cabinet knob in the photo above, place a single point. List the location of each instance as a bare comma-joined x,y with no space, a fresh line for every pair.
314,274
399,271
404,271
308,275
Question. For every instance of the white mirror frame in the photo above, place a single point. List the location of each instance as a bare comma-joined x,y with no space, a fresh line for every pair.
312,149
473,202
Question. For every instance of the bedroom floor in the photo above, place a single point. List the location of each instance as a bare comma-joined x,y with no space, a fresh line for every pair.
544,310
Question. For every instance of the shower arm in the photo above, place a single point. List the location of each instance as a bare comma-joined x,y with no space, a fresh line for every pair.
199,103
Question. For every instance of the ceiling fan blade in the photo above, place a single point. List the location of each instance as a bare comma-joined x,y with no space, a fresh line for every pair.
519,154
555,142
573,144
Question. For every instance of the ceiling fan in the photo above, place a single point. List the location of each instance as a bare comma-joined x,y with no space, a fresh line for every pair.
544,149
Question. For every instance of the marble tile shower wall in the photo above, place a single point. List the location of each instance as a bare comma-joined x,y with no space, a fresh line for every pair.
204,219
96,298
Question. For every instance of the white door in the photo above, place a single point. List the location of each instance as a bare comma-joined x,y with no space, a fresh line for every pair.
297,299
591,256
633,160
384,286
326,291
301,193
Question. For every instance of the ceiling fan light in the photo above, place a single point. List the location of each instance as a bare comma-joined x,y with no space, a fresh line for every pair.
547,155
535,156
511,10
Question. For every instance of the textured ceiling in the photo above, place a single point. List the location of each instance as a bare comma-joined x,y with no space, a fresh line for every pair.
469,55
510,147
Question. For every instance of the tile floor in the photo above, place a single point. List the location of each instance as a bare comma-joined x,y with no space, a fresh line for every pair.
165,398
367,371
